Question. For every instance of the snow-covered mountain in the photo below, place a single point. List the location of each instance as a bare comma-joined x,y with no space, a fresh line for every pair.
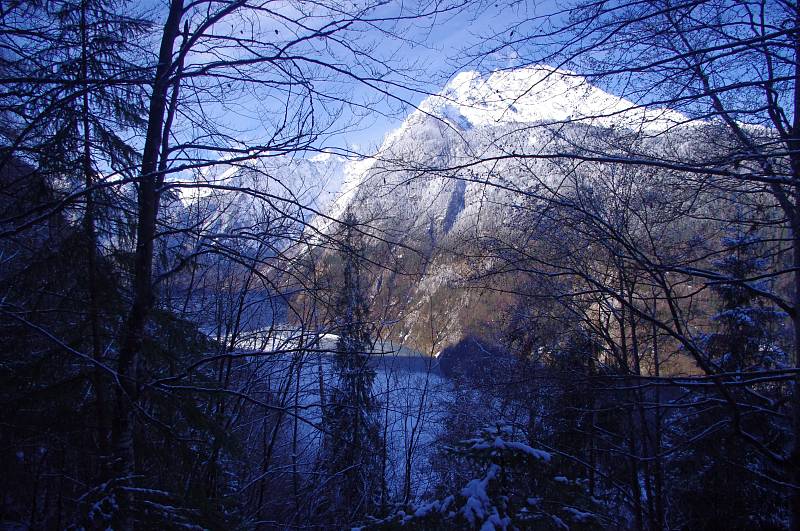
461,164
475,115
458,167
538,94
312,183
482,116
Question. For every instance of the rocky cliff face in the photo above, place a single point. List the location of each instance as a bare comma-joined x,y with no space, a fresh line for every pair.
458,171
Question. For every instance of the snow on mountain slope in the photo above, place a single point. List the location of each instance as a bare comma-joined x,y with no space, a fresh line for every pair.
474,115
538,94
480,115
312,182
444,179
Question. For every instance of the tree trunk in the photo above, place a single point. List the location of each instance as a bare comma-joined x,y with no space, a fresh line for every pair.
133,334
794,457
295,433
794,216
91,245
657,443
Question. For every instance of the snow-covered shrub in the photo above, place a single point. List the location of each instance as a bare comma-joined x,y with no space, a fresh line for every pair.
515,486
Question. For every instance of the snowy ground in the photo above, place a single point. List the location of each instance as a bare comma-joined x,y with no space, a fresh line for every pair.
408,386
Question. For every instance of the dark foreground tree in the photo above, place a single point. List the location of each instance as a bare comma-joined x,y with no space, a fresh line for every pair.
120,275
352,445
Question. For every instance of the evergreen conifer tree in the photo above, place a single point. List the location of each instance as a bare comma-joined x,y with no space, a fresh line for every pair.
745,336
352,447
515,486
711,482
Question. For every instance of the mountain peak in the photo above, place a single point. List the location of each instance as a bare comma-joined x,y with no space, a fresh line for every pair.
536,94
482,104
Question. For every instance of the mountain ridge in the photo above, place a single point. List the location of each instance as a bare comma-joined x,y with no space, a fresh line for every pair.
448,179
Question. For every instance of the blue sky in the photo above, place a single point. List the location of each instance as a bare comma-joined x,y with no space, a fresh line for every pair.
434,46
440,57
431,45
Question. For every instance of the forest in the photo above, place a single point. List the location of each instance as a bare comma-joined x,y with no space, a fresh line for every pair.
382,265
